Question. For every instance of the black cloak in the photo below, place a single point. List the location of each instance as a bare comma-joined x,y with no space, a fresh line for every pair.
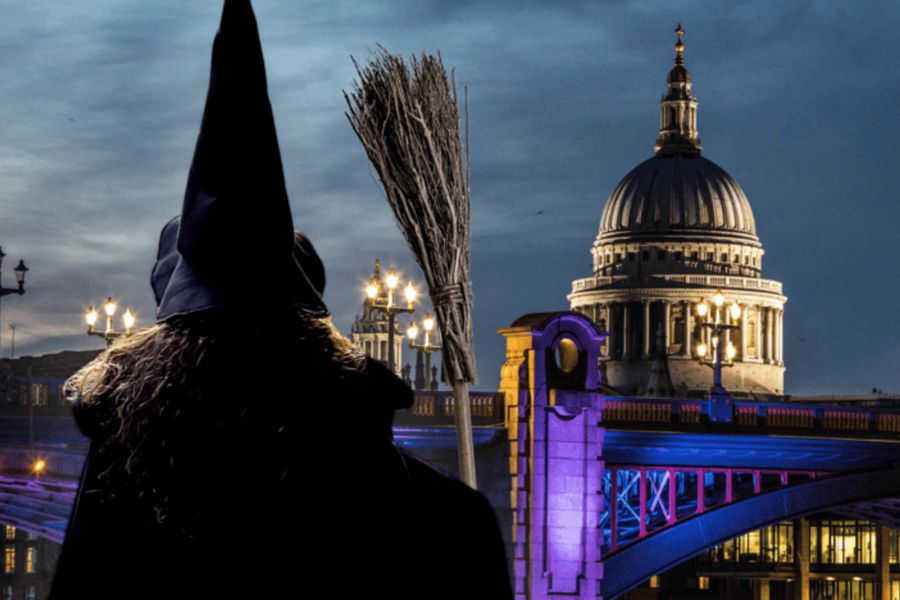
346,515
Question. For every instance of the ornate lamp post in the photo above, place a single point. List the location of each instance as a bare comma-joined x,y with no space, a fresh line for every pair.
427,347
20,271
386,303
715,349
109,334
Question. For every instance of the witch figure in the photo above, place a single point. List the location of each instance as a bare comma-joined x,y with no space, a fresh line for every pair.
241,447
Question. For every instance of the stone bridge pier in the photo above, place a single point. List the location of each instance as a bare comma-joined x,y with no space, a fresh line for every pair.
551,385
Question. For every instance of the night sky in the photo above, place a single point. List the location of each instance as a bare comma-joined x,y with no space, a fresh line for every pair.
100,103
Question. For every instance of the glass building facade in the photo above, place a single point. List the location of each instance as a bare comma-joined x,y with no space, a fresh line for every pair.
841,563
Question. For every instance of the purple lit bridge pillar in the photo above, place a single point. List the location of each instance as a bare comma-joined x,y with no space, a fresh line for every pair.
551,385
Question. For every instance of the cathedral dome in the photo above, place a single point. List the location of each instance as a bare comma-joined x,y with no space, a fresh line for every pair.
679,195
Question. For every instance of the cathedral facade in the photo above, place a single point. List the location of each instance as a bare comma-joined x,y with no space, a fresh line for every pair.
674,232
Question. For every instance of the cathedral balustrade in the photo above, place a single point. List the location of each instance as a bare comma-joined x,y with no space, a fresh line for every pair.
709,281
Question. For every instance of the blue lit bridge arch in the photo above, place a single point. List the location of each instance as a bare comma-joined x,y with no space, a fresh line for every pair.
608,491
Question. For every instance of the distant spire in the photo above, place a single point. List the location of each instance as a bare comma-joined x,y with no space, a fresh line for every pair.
679,47
678,109
377,274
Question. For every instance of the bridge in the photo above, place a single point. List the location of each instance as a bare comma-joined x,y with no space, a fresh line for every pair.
597,493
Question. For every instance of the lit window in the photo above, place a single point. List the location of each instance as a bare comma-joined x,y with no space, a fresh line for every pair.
9,559
31,559
40,392
703,583
654,581
9,532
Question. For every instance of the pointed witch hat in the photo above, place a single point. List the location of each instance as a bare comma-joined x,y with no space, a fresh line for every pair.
234,243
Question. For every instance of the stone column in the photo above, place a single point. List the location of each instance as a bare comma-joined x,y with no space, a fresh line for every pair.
667,318
760,334
744,333
882,563
626,343
598,317
780,336
688,328
769,334
801,559
646,349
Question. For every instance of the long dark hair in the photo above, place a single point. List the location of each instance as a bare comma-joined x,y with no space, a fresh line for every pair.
163,400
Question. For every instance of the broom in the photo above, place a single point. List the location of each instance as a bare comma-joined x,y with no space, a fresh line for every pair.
409,123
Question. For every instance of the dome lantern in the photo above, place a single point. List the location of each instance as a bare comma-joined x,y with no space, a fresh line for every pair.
678,110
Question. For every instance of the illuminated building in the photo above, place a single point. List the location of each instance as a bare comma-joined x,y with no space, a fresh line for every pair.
369,331
675,230
841,562
28,564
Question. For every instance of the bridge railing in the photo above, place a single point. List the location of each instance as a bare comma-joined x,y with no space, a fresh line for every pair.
437,408
629,412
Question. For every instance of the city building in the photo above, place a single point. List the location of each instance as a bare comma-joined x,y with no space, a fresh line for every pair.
34,383
28,564
370,331
674,231
834,557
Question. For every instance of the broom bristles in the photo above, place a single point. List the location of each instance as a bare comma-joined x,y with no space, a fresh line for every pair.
408,121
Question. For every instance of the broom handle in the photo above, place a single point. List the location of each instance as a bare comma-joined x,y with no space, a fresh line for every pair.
464,434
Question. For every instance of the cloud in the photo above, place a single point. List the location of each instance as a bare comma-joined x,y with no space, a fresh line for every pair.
100,104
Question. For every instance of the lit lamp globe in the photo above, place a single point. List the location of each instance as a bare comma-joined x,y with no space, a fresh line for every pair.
91,317
410,293
719,299
702,309
109,307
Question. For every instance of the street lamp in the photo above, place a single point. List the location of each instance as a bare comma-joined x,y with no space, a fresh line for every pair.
20,271
715,348
427,347
109,334
385,301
